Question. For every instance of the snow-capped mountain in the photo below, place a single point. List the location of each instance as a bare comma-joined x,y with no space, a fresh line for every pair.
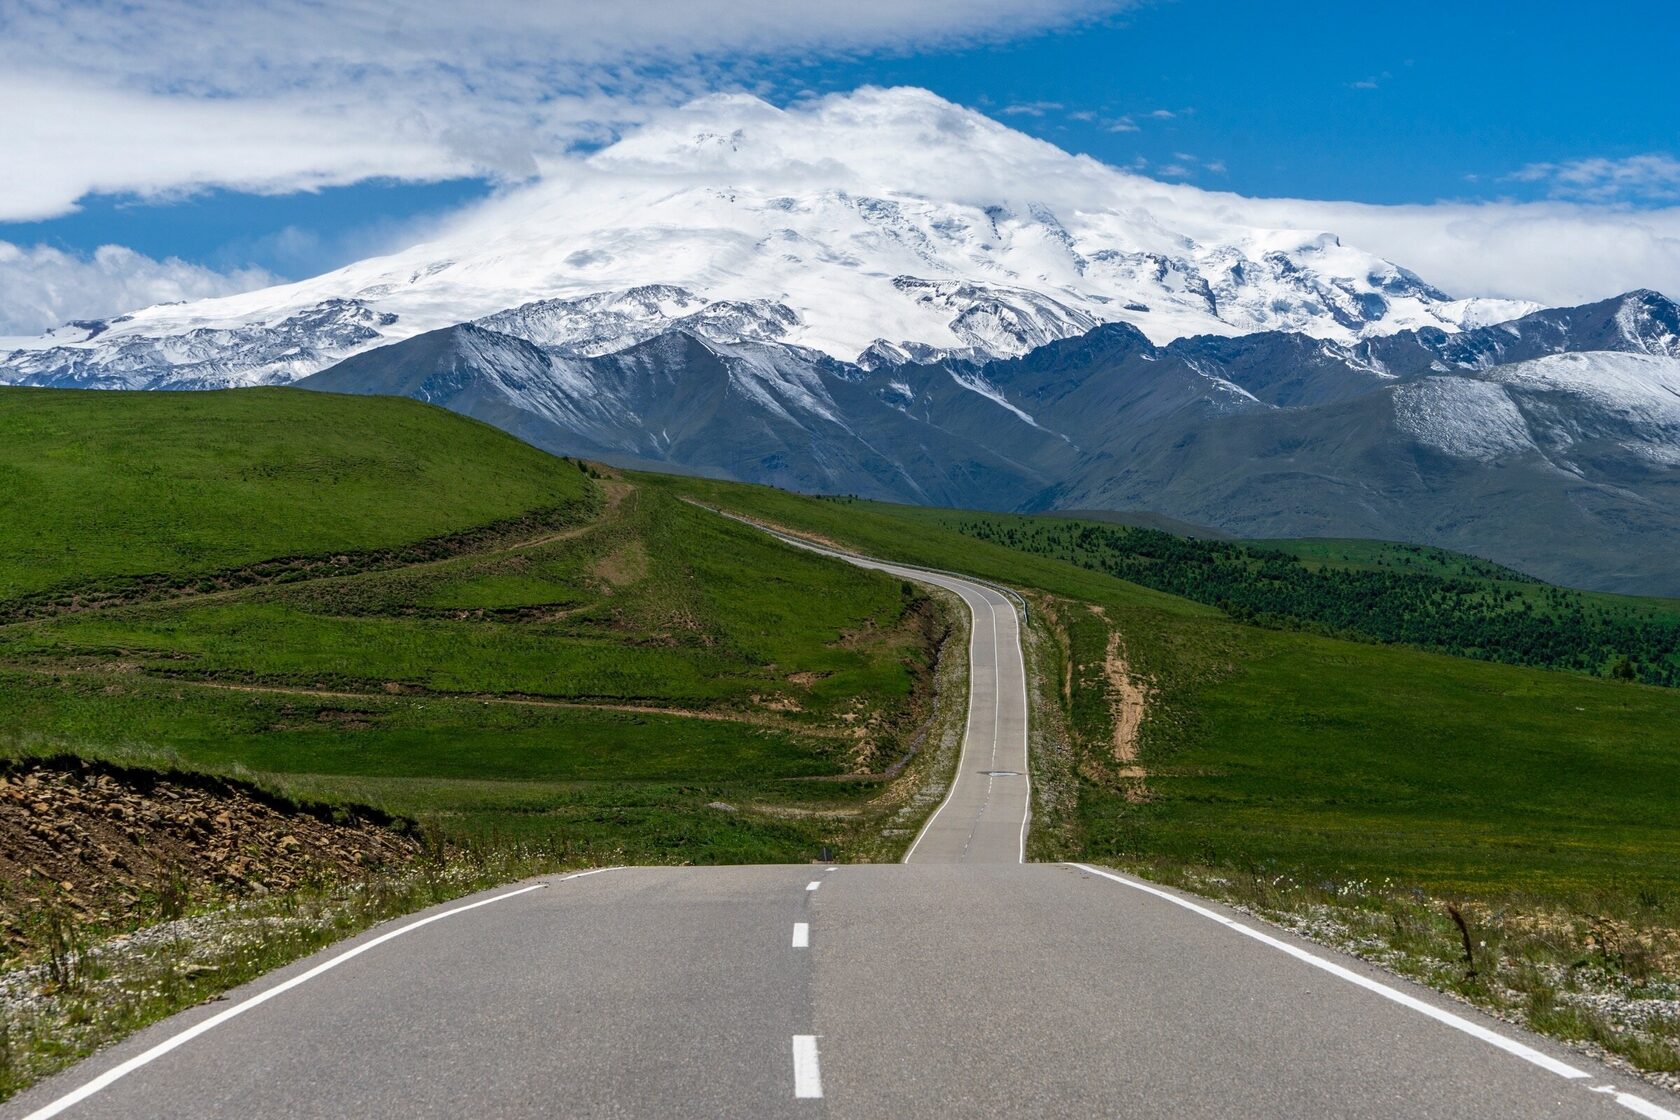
887,221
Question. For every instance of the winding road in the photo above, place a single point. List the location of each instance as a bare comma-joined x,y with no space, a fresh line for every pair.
963,983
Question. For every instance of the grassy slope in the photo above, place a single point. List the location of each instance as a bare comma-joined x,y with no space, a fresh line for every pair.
1378,555
1362,555
483,691
95,485
1330,759
1374,591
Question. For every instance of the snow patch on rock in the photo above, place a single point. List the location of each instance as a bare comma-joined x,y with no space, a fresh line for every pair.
1464,418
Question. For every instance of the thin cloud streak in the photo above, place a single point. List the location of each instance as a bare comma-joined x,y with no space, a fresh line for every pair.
1650,178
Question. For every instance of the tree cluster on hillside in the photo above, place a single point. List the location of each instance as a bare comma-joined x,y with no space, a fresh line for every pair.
1462,611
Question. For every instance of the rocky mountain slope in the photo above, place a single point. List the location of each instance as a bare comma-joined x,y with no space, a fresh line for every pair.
1551,442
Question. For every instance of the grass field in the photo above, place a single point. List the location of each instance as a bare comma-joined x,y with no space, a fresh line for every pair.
607,671
635,651
1429,598
1327,757
95,486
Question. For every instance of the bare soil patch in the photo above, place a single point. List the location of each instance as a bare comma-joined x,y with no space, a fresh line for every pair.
113,845
622,567
1129,700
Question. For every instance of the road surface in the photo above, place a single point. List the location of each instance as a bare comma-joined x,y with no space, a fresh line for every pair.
964,983
984,817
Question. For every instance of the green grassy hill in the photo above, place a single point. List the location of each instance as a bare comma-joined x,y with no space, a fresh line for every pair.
375,600
1322,757
595,661
101,485
1431,598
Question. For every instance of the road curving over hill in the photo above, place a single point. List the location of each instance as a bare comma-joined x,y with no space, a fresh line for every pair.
964,983
984,816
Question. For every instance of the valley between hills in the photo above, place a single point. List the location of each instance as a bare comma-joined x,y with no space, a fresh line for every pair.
277,665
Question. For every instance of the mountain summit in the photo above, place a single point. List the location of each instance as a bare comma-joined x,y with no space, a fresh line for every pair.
886,219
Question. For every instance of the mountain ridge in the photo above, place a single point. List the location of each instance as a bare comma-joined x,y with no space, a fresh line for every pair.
1263,435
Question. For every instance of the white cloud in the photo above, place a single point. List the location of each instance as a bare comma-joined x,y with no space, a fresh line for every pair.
1650,178
1034,109
1555,253
42,287
166,96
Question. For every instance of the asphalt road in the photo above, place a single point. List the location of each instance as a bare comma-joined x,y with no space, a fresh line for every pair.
962,984
984,816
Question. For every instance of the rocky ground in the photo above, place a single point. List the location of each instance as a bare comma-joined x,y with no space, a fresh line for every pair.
110,846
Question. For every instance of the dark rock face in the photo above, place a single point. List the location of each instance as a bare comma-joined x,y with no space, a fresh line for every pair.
1422,436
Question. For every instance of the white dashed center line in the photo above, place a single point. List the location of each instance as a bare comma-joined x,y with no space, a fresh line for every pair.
813,884
802,935
807,1079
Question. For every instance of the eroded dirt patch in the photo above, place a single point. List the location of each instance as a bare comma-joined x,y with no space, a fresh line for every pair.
623,566
1129,700
113,845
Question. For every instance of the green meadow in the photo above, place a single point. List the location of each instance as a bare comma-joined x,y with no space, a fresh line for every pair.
504,646
1293,753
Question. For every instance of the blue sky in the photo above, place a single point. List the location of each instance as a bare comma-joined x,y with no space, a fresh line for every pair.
1371,102
1387,104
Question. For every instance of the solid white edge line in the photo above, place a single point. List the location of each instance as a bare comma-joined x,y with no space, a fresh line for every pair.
1026,740
802,935
1457,1022
962,755
997,682
116,1073
807,1077
1635,1104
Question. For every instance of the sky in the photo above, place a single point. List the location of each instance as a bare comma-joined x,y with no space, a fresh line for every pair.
169,149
